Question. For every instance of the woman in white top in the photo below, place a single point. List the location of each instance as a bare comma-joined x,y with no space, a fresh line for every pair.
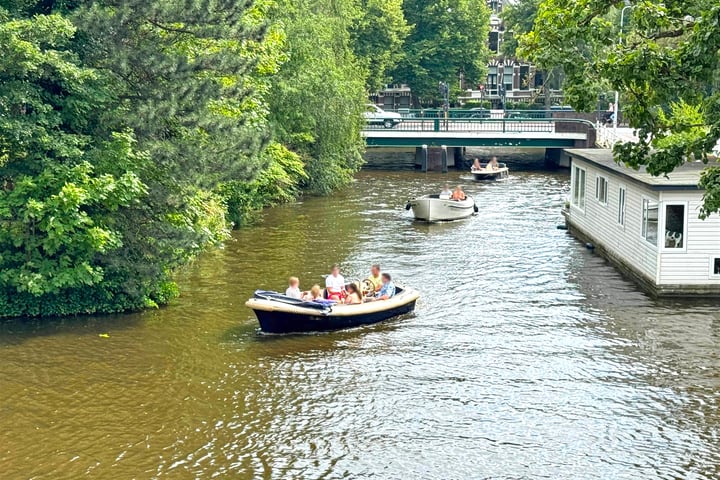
335,284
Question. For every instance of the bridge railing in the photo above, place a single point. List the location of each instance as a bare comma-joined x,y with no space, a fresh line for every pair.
477,113
495,125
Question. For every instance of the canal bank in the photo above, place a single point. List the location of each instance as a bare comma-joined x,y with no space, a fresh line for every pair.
528,356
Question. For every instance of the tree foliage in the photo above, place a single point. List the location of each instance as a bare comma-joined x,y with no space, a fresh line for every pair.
134,133
318,94
378,39
449,37
518,19
665,64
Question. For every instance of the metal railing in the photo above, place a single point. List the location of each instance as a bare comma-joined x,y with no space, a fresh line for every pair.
477,113
496,125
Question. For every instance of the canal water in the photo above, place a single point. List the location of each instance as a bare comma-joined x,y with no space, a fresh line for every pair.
528,357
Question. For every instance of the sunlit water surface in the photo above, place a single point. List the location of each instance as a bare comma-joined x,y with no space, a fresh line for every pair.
528,357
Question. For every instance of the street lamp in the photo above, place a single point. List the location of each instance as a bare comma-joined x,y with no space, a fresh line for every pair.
445,94
617,94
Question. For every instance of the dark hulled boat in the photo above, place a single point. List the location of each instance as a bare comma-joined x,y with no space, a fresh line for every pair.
278,313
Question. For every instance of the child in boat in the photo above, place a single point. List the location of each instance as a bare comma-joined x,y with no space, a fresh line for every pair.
293,289
353,295
314,294
476,165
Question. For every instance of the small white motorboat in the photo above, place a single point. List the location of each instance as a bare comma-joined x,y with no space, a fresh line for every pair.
485,173
437,208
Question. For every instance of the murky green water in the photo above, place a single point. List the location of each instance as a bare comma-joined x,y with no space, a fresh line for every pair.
528,357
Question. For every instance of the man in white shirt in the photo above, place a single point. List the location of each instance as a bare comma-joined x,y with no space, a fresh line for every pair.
446,192
335,284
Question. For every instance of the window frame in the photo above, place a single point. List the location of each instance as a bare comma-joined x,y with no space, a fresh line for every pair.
598,180
575,202
643,222
711,271
661,239
622,206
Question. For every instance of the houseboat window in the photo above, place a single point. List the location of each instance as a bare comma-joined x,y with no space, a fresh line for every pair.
601,189
716,266
621,206
674,226
650,221
579,187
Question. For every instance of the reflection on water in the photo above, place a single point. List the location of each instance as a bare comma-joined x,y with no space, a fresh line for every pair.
528,357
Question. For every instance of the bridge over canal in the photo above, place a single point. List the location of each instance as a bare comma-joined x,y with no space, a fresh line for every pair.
439,143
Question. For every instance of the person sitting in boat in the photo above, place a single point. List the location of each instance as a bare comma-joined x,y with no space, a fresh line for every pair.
458,194
293,289
335,284
314,294
445,194
493,164
476,164
375,278
387,290
353,295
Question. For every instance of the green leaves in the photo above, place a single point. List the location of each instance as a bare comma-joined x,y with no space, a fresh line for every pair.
378,39
664,62
54,225
318,94
448,37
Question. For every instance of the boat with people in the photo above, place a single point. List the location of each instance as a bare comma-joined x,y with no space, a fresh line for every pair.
434,208
446,206
490,171
278,313
360,303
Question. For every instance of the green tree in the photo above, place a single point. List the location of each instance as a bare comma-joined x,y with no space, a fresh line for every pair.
666,68
57,210
378,38
449,37
518,19
108,215
318,94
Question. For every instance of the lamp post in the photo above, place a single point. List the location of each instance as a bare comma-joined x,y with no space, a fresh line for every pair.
616,113
445,94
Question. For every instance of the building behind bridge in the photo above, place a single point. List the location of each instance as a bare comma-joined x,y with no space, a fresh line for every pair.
509,81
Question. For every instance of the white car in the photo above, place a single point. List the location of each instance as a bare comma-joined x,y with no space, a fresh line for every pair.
375,115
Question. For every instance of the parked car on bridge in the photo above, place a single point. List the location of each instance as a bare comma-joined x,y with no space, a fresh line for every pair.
519,115
375,115
478,112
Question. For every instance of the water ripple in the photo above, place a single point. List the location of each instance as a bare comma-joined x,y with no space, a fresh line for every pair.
528,357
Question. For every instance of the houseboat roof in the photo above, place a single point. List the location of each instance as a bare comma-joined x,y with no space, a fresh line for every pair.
685,177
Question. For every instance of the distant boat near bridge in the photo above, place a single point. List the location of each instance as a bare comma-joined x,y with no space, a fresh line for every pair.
501,172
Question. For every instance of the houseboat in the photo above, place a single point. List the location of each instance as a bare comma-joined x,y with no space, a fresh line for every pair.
647,226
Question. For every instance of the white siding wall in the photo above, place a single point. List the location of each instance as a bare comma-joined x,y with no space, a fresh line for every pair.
690,266
600,221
